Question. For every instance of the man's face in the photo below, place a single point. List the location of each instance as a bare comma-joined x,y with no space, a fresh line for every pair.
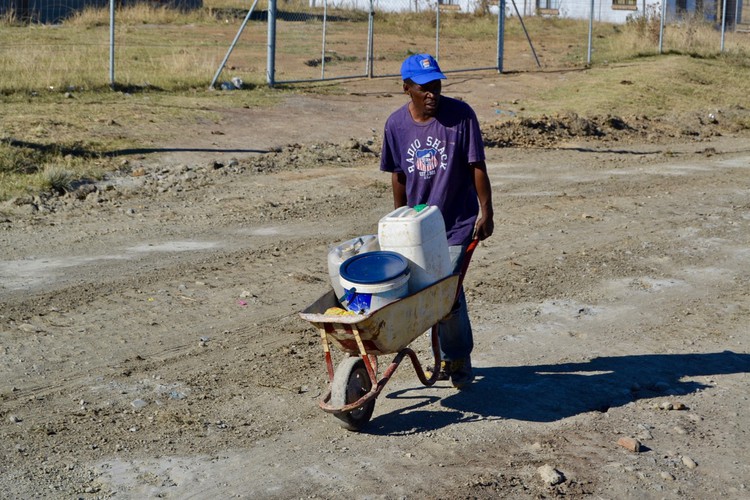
426,96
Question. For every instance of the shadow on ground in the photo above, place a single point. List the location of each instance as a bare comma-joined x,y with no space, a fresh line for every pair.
547,393
91,153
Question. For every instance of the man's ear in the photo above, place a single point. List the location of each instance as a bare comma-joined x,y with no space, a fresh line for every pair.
406,88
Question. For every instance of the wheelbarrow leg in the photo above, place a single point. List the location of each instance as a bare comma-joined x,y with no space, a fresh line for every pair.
428,381
353,385
427,378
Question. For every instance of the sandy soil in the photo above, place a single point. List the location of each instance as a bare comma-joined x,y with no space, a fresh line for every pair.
150,343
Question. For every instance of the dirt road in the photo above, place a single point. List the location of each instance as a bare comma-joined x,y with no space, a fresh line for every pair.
150,344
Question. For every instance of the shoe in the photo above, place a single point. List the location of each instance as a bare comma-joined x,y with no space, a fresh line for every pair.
445,371
461,373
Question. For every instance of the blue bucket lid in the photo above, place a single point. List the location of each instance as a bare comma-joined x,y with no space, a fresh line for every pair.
373,267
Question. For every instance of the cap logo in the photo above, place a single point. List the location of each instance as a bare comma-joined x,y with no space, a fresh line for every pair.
420,69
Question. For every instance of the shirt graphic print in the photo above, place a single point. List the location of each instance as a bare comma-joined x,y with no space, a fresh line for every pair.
427,160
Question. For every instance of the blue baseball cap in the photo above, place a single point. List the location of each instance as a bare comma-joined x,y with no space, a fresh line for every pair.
421,68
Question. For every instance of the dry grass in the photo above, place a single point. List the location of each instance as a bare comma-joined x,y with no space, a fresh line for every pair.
28,166
655,86
165,60
83,133
162,48
9,18
57,178
141,13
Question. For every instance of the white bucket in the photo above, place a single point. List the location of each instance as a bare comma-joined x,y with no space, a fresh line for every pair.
341,252
373,280
420,237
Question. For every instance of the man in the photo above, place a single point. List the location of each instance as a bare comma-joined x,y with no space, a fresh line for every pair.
433,148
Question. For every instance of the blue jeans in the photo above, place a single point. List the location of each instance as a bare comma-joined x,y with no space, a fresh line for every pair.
454,331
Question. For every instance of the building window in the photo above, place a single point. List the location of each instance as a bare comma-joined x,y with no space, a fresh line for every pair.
624,5
548,4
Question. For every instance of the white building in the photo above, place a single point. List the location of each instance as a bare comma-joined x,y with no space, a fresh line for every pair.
614,11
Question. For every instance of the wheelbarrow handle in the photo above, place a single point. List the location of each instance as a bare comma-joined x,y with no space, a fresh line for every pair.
465,264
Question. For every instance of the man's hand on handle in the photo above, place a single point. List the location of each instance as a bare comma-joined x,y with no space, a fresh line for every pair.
484,228
485,225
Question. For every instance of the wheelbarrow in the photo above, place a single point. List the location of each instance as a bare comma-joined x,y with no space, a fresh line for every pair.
354,384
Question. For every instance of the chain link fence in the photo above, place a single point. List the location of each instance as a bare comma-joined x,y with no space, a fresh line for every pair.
334,39
320,40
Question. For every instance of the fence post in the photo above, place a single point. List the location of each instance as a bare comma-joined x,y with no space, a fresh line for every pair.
323,50
232,46
370,44
723,23
737,4
500,34
112,43
591,29
662,20
526,32
437,30
271,50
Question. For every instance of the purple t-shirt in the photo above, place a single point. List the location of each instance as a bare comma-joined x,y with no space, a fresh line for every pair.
435,157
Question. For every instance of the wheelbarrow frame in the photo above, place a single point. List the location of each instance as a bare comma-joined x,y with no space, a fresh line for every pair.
387,330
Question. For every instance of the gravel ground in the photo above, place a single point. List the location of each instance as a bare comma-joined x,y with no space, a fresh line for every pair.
150,342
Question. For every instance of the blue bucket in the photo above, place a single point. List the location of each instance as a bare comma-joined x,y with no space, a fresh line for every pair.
373,279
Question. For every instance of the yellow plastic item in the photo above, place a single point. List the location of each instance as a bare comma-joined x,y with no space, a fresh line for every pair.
337,311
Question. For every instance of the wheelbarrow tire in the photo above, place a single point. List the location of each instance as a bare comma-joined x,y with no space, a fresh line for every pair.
350,382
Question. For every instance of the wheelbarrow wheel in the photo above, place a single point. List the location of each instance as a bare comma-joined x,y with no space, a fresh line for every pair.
350,382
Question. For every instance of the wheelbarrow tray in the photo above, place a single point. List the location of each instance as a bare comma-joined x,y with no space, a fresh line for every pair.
389,329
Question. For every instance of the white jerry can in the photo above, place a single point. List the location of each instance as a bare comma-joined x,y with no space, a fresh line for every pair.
418,235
